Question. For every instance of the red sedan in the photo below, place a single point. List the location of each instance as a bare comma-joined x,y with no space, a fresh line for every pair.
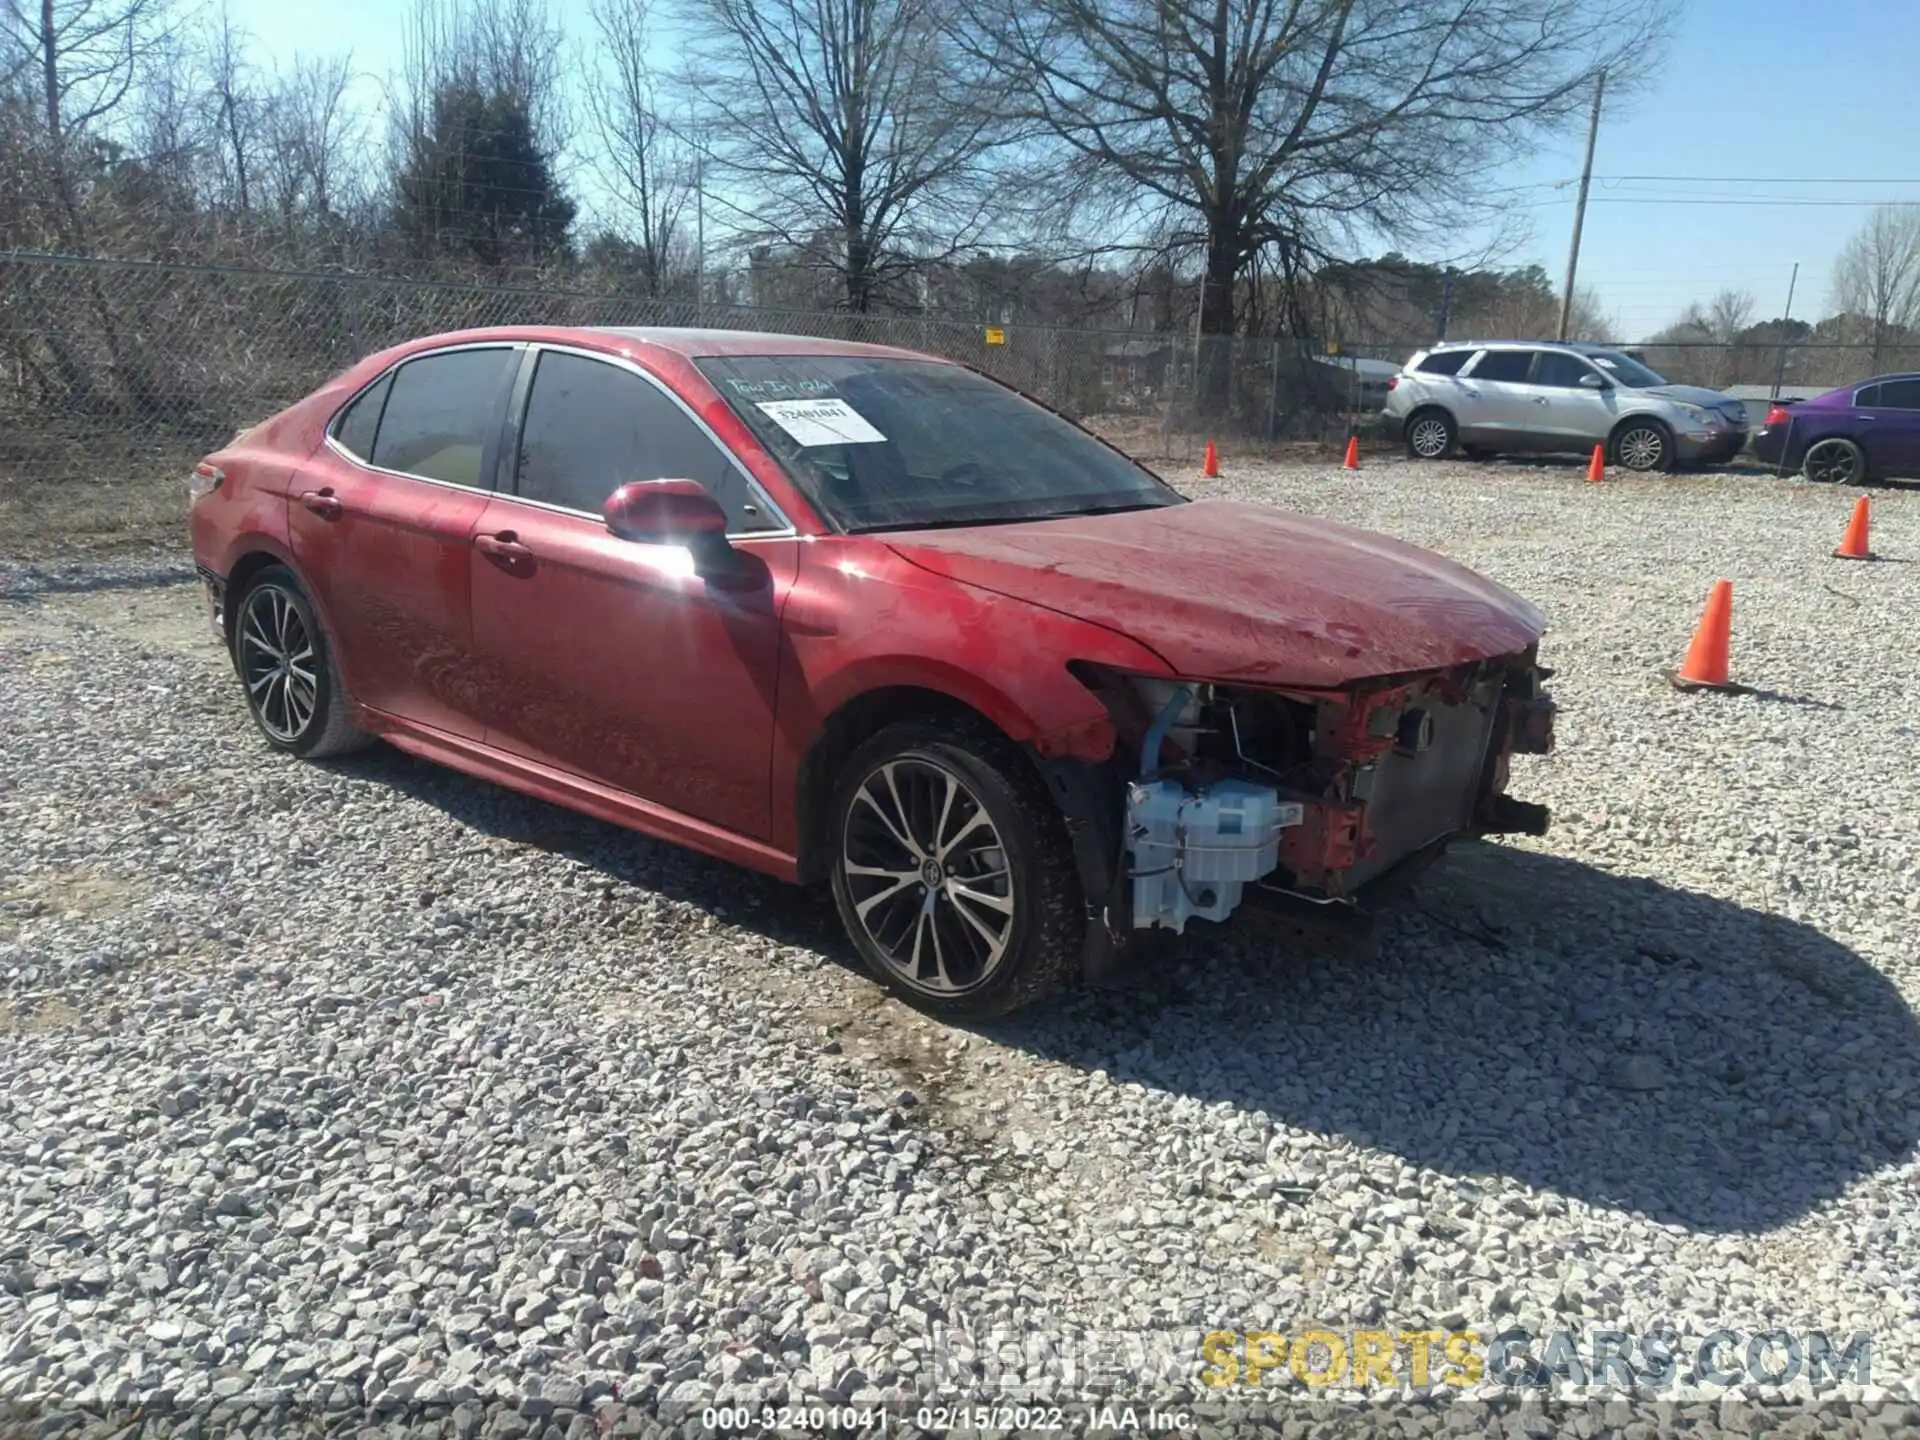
853,614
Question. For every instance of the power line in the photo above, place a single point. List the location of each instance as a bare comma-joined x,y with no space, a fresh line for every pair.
1744,180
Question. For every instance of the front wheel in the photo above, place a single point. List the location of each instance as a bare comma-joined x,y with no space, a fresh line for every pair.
952,871
1644,445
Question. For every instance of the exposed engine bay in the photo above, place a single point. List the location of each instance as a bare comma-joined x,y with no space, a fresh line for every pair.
1309,796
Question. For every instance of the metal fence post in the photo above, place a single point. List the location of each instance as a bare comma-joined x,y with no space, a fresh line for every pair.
1273,393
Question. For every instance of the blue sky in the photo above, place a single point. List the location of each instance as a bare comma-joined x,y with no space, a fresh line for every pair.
1756,98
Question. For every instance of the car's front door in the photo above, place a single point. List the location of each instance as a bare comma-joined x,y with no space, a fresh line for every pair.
1577,403
1891,428
382,519
1500,411
611,659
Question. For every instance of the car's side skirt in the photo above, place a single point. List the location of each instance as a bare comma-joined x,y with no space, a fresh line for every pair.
558,787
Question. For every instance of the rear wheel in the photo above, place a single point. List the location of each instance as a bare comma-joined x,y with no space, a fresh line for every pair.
286,667
1836,461
1430,434
952,870
1643,445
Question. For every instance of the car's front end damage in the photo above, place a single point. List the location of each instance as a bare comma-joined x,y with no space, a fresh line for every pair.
1226,798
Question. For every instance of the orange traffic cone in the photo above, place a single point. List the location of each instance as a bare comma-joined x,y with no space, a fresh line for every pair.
1597,466
1853,546
1705,667
1211,466
1353,452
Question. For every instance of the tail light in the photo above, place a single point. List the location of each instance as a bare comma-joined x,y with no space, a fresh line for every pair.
205,480
1776,415
1392,380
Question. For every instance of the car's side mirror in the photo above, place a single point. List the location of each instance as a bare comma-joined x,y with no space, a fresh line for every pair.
672,512
1591,381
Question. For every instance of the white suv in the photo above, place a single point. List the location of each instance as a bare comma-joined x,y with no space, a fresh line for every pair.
1488,396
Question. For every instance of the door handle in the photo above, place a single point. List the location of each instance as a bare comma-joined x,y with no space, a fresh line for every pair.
502,546
1540,400
322,503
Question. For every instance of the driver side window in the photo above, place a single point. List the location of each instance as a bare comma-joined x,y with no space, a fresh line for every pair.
1560,370
591,427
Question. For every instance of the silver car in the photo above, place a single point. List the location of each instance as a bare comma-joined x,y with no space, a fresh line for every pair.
1489,396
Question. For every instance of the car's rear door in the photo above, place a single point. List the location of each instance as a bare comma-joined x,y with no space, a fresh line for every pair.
1891,431
611,659
382,523
1500,411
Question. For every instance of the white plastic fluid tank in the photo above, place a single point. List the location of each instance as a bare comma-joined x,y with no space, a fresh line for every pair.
1192,853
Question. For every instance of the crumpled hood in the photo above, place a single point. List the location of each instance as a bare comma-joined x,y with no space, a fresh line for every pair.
1697,395
1247,593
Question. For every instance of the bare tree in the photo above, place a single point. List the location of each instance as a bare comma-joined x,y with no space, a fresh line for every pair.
1729,313
313,137
641,160
1294,127
87,54
853,131
236,112
1877,277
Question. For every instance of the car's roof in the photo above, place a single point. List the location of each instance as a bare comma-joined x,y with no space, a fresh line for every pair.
684,341
1579,347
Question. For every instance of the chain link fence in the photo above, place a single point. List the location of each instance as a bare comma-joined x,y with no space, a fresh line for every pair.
120,374
117,375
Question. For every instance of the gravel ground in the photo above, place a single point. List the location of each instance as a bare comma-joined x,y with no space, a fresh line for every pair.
364,1080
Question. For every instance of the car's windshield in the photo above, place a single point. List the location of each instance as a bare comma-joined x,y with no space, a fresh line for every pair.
1625,370
881,444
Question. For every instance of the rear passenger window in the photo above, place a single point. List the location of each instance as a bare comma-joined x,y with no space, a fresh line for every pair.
1444,362
1510,365
592,427
355,428
441,412
1867,397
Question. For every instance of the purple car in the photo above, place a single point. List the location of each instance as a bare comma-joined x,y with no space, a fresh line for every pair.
1867,430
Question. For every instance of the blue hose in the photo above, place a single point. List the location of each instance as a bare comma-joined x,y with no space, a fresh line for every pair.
1157,731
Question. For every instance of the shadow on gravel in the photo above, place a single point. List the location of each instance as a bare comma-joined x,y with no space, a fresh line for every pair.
1593,1035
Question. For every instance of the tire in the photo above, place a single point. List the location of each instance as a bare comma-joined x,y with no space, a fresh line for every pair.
959,777
1431,434
1643,445
1834,461
298,709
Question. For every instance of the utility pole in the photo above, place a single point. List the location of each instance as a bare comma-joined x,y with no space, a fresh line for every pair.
1780,374
1446,303
1580,209
699,233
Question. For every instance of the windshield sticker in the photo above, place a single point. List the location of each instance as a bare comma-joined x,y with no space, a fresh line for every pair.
821,422
780,387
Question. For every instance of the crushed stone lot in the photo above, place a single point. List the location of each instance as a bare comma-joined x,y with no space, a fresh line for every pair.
364,1079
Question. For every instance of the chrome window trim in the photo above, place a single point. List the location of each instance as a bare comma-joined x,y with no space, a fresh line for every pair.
785,531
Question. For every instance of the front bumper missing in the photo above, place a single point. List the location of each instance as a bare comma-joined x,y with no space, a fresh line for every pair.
1388,799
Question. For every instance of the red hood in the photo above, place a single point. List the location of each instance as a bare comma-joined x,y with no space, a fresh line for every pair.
1226,591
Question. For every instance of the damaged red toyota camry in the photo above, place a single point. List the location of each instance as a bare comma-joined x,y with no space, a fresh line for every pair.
854,615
